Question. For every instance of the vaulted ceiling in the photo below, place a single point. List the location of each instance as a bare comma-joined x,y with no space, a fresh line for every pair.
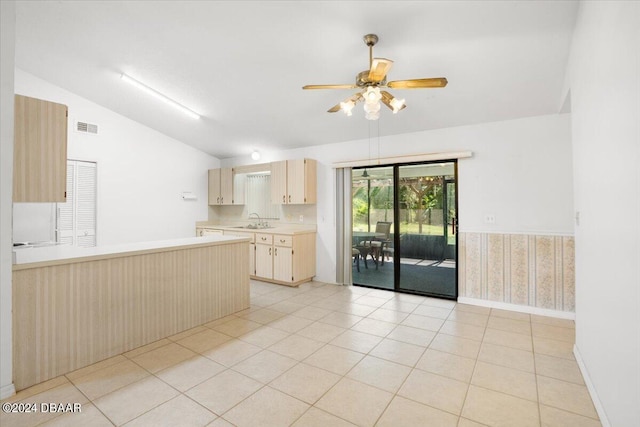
241,64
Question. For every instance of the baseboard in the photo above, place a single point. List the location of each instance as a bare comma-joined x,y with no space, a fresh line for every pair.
592,391
7,391
520,308
529,233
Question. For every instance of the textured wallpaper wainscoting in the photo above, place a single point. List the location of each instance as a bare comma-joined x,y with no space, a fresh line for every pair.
530,270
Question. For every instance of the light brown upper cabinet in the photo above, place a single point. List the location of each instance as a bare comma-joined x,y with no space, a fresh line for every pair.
223,187
294,182
39,151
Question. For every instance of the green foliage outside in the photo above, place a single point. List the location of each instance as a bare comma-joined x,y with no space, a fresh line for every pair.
419,198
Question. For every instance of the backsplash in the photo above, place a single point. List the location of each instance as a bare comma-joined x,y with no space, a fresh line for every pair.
529,270
289,214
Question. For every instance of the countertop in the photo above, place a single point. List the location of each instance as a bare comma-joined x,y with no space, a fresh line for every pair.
287,229
33,257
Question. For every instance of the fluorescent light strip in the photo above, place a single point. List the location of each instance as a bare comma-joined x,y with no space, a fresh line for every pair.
160,96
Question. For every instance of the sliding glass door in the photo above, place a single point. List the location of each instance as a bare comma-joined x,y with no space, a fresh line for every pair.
373,219
404,228
427,229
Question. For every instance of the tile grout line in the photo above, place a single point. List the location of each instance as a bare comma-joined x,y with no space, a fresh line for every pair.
475,365
412,369
298,362
535,374
352,379
91,401
321,303
151,374
341,377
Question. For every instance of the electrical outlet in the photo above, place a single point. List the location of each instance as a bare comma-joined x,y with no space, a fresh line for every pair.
301,218
489,219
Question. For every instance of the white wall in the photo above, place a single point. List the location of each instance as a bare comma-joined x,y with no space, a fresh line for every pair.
604,79
520,172
141,172
7,59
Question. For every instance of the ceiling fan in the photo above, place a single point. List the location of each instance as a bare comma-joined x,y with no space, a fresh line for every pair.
371,81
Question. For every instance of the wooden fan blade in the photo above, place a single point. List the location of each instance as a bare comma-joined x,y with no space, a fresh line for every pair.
350,86
418,83
355,98
379,69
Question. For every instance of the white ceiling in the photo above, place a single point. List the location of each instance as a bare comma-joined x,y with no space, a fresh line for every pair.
242,64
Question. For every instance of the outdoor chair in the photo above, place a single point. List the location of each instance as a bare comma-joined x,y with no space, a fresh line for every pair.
377,244
355,253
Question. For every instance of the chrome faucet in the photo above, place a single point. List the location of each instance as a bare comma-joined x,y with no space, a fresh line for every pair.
259,219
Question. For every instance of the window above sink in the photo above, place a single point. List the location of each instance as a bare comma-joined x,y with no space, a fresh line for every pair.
258,196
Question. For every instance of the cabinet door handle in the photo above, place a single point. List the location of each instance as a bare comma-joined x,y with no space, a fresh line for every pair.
276,251
282,240
222,200
269,251
263,238
284,199
218,200
289,198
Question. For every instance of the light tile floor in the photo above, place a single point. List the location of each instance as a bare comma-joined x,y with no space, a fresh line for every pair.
324,355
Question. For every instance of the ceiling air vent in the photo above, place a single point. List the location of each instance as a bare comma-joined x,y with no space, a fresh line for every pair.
86,128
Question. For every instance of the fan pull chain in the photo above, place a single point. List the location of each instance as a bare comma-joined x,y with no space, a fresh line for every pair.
378,141
369,142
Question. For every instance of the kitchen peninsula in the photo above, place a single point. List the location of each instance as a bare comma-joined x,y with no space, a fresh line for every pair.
76,306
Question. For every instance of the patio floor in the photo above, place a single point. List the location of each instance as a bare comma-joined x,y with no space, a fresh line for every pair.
427,276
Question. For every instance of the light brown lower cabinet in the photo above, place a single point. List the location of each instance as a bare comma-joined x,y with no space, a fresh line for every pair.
283,264
281,258
294,258
264,261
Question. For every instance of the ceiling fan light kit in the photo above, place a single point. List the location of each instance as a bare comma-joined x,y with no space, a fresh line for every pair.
346,107
397,104
371,80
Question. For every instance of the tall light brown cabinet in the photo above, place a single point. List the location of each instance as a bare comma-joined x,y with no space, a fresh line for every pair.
222,188
40,151
294,181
